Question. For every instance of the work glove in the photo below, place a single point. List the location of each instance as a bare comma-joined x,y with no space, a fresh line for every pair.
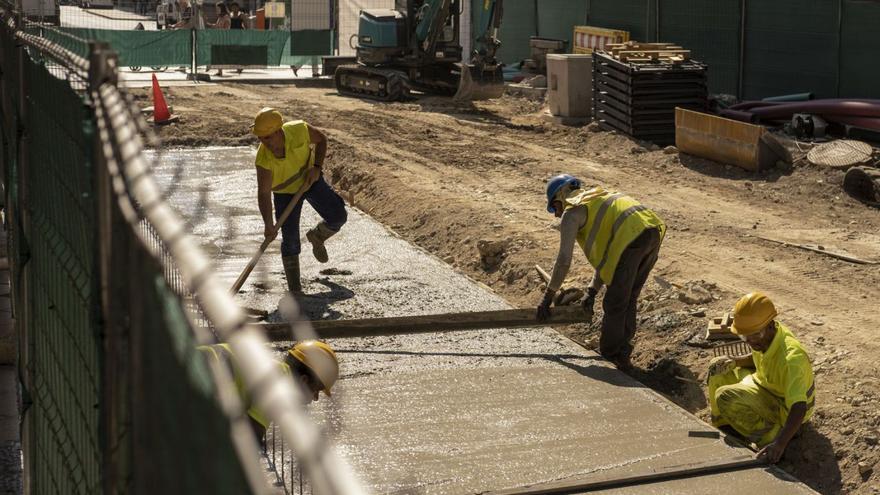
543,312
720,365
587,303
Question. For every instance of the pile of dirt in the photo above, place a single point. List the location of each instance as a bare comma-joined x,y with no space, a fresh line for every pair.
447,176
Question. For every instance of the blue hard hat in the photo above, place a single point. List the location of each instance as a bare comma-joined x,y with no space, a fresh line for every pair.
556,183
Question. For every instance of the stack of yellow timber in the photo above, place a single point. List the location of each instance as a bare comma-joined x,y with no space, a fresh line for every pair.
635,51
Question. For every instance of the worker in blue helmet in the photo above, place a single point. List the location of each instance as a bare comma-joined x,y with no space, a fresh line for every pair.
621,239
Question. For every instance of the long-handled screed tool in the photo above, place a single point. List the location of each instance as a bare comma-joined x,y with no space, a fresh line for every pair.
256,257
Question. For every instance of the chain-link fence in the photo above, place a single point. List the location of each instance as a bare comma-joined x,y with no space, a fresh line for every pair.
111,298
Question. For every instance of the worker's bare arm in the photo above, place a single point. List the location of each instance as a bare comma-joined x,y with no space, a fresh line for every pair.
774,450
264,201
572,221
320,141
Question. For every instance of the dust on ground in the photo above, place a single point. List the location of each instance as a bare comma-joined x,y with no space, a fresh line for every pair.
447,176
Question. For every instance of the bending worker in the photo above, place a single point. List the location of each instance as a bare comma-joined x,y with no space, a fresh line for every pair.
290,157
621,239
312,363
767,395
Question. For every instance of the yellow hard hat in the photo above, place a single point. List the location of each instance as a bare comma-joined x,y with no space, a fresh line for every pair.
267,122
752,313
320,359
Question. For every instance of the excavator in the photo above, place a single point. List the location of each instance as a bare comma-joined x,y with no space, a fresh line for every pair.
416,47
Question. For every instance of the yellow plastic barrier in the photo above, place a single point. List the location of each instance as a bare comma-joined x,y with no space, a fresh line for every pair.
589,38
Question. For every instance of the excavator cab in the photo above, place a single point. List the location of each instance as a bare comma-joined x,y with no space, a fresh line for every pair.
416,47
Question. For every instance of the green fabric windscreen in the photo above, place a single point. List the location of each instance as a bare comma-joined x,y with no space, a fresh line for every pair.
245,43
710,30
142,48
791,46
557,19
626,15
860,46
517,26
313,42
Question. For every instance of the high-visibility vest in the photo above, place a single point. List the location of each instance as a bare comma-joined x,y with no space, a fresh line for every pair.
223,354
288,173
614,220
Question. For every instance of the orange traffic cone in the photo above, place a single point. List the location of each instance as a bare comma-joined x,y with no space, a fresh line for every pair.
161,114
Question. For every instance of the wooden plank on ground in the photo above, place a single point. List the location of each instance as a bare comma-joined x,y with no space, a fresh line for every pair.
450,322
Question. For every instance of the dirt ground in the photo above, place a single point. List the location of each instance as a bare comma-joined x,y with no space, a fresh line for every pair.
447,176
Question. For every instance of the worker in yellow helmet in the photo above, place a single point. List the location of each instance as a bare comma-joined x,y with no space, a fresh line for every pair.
312,364
766,395
621,239
291,156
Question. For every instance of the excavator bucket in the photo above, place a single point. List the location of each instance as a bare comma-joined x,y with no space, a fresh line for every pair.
479,83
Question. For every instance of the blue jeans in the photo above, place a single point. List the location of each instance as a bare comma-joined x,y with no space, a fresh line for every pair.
323,199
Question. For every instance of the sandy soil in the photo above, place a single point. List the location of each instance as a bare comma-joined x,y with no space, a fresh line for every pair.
447,176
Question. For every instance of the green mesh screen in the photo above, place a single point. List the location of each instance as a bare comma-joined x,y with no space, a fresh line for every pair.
557,19
65,362
272,41
626,15
711,31
120,401
142,48
517,26
177,420
311,42
860,49
791,47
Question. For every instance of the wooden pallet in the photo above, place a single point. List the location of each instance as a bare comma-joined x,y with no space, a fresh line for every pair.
633,51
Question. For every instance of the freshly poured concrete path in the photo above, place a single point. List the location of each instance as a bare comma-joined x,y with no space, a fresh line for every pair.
463,412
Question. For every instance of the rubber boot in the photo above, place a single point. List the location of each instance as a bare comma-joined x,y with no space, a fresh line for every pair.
291,272
317,236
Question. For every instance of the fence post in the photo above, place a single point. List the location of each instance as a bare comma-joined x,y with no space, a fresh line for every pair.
25,344
102,69
102,65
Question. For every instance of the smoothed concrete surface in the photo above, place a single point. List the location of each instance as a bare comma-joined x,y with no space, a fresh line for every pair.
462,412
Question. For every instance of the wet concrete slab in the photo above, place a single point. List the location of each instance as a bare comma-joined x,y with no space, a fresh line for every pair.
462,412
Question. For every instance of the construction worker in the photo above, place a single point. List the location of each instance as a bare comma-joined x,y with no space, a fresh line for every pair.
767,395
621,239
290,157
312,363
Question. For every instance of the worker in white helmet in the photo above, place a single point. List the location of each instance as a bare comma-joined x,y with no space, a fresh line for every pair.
312,364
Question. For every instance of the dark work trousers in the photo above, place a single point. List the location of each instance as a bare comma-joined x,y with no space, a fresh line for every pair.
621,298
323,199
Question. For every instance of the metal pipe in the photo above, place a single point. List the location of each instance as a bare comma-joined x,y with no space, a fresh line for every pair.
657,22
839,44
742,48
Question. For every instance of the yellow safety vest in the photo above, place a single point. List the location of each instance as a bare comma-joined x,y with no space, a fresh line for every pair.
221,353
784,369
288,172
613,222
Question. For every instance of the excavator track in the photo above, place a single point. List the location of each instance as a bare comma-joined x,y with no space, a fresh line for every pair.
371,82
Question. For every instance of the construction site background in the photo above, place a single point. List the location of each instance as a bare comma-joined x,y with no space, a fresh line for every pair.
754,49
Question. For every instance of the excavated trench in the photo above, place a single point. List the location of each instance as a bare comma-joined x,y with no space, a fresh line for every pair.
464,412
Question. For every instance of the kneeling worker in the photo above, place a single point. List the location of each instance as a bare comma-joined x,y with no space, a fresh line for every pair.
312,364
621,239
290,157
767,395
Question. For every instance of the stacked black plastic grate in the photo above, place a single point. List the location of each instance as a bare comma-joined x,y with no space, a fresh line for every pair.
638,97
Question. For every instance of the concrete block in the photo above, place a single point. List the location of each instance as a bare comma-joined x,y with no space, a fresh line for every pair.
570,84
719,328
